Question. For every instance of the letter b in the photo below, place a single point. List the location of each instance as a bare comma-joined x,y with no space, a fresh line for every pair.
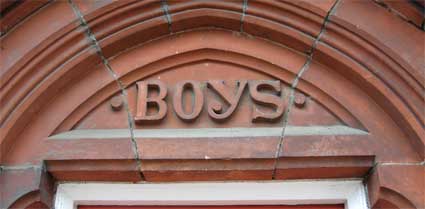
144,101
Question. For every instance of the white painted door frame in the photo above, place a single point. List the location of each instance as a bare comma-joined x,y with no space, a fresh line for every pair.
350,192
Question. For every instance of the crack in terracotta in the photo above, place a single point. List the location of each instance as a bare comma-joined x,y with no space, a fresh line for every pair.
294,84
244,8
164,7
90,35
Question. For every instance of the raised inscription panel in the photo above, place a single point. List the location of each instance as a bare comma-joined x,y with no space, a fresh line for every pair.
189,99
208,95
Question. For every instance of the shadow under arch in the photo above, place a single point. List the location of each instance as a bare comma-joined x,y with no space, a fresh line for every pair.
392,199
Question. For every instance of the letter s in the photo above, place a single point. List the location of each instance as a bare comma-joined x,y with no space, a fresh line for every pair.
266,99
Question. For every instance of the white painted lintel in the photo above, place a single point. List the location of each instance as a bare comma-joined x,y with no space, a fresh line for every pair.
349,192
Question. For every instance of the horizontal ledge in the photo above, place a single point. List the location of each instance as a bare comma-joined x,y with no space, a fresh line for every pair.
210,132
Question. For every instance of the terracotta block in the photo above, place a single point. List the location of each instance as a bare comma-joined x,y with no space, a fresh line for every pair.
396,40
94,170
26,186
401,80
320,108
78,90
208,148
99,116
47,60
40,94
192,19
186,15
74,149
126,31
323,167
207,158
133,36
87,149
225,42
321,8
13,13
286,36
202,175
409,11
176,6
105,18
342,145
324,146
308,111
207,170
290,14
17,44
397,186
359,101
93,9
392,41
194,14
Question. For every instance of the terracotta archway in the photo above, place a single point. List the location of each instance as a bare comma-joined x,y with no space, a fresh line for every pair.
357,76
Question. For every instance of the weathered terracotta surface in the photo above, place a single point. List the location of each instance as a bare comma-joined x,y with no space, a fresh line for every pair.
26,187
398,72
407,10
341,94
94,170
365,111
21,10
207,170
397,186
323,167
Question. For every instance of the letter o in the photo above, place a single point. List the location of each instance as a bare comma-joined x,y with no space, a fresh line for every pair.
198,100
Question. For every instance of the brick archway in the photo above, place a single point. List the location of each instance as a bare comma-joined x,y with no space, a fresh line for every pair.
360,76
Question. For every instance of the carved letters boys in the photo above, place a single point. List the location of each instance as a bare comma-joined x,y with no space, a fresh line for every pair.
265,94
